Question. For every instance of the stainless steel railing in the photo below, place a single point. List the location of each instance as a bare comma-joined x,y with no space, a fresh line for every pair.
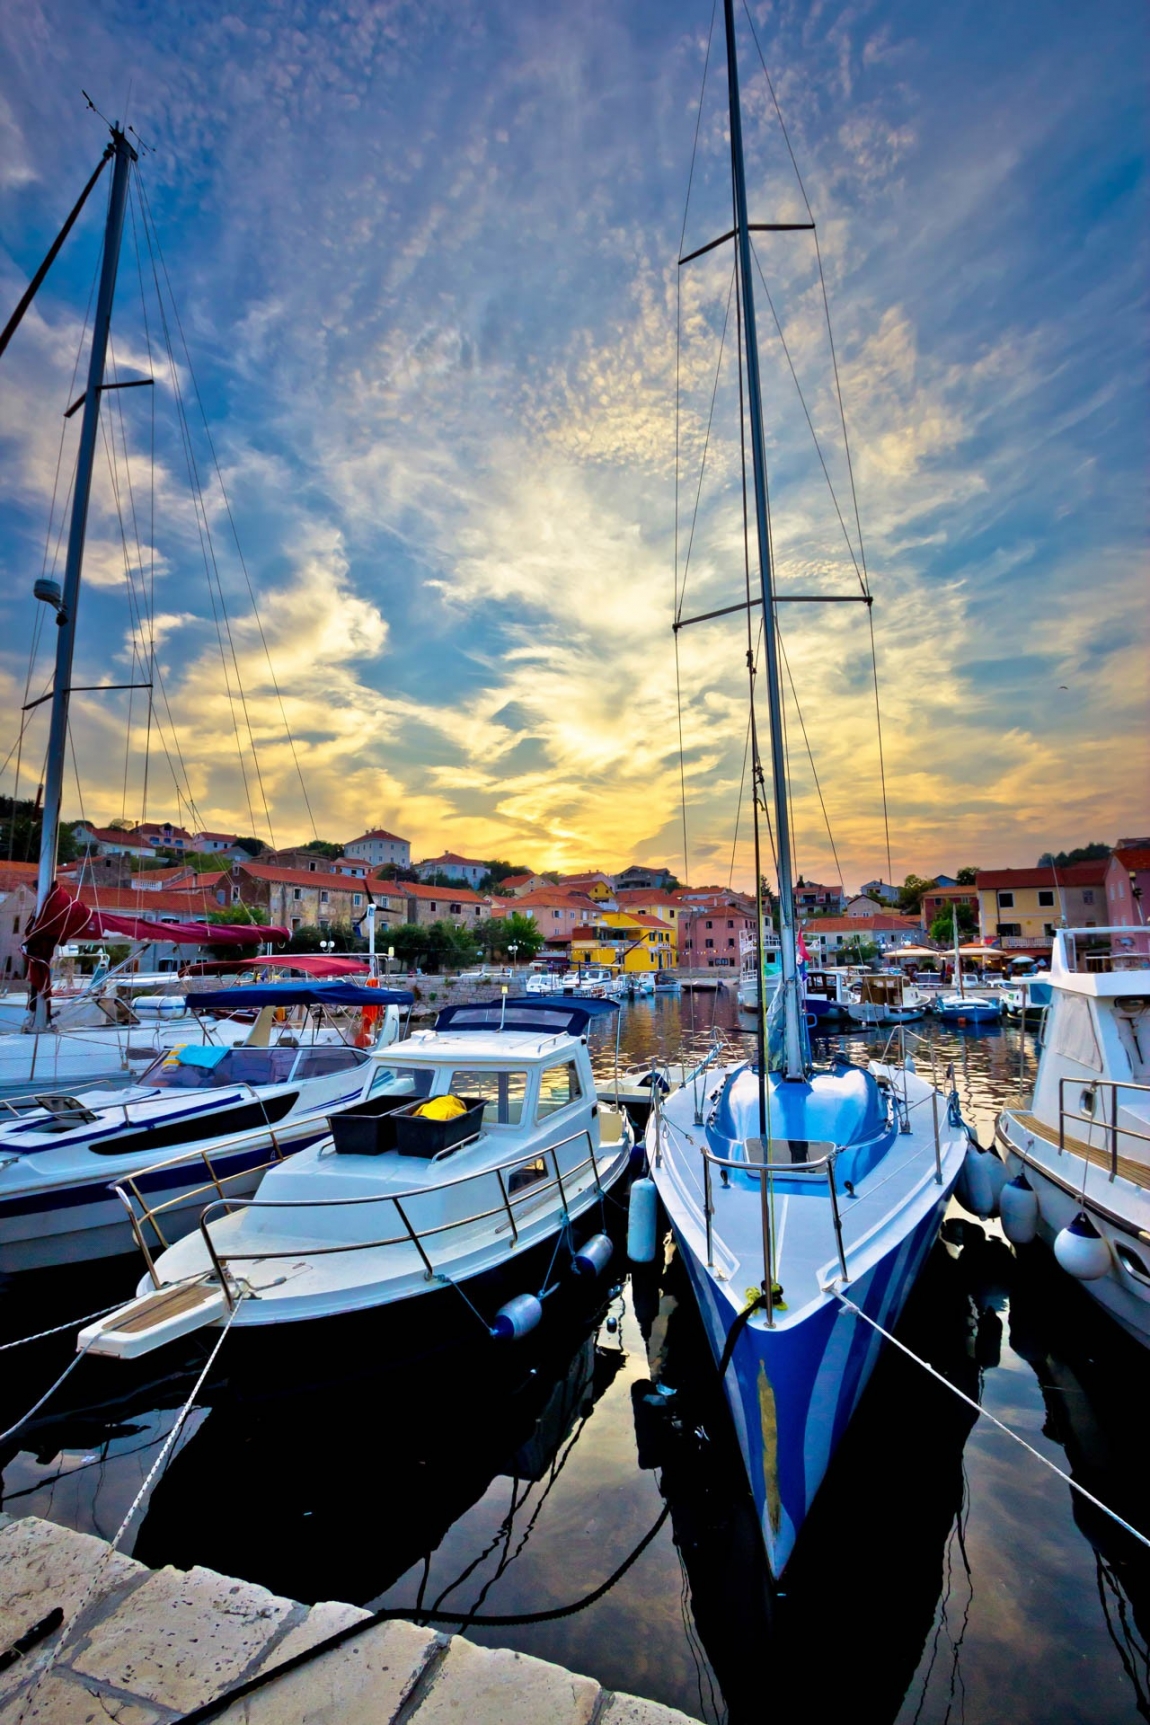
559,1182
822,1165
1091,1086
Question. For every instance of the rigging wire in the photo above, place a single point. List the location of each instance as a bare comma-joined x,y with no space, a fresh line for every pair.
232,524
207,547
863,574
811,758
678,393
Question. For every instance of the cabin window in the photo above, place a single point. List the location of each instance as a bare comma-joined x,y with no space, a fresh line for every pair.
319,1062
528,1175
1045,897
559,1086
1072,1033
402,1081
503,1094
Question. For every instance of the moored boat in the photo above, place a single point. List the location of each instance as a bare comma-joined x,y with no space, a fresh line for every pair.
479,1142
1079,1155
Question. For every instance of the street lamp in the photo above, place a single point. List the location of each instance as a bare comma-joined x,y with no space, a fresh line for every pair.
512,948
327,946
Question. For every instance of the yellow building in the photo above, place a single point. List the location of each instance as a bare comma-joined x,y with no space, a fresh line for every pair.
626,942
595,885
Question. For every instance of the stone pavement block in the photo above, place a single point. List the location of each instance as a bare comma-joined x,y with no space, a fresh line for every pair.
42,1566
181,1638
67,1700
364,1682
493,1686
321,1621
632,1710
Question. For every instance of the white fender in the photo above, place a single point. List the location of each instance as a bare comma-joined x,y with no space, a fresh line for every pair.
641,1208
1018,1207
975,1190
517,1318
1081,1249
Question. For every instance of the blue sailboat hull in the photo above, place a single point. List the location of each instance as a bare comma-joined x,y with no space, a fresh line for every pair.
792,1391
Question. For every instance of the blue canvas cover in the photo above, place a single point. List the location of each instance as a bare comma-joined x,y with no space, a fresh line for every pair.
549,1015
297,994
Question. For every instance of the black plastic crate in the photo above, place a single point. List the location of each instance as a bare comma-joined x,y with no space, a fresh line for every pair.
415,1135
366,1129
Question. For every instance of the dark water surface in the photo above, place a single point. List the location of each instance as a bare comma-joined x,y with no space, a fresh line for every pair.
944,1574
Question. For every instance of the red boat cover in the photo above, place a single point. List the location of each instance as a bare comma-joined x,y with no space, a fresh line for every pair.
64,918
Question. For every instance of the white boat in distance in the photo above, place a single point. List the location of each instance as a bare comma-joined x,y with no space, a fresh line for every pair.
393,1206
883,999
205,1117
1079,1156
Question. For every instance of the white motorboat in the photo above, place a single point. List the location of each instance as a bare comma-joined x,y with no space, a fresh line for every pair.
395,1204
804,1198
967,1008
883,999
1079,1156
1024,1001
204,1117
750,977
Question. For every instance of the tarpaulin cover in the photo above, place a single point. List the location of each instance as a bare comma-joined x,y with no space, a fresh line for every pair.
64,918
310,964
297,994
199,1054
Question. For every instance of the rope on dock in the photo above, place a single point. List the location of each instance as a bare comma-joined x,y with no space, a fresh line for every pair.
211,1709
984,1413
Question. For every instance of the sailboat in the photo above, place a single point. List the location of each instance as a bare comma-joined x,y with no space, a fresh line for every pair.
800,1196
46,1052
971,1008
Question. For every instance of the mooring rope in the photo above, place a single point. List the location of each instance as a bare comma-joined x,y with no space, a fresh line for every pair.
984,1413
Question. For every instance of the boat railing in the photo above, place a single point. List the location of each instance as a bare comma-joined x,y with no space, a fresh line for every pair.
412,1234
128,1190
1086,1115
817,1169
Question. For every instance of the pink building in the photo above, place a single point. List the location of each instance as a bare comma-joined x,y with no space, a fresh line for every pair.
1128,896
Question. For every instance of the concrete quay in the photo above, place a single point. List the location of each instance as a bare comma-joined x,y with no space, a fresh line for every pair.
144,1647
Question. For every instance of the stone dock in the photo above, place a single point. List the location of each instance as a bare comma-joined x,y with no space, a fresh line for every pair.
143,1647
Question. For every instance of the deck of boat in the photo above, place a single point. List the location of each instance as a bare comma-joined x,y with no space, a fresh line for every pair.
1138,1173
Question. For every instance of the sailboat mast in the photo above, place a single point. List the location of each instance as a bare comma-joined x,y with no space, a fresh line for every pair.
794,1065
124,156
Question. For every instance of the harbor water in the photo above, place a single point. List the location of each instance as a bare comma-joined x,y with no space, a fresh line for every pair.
943,1575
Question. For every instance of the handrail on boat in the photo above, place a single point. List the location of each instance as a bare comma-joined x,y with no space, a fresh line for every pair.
765,1169
1091,1085
415,1235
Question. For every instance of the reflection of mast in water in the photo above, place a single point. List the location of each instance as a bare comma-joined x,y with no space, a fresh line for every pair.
893,1501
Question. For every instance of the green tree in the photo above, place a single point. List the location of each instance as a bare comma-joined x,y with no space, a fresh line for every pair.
857,950
254,847
309,937
910,893
499,933
968,875
20,832
1095,852
942,928
324,847
232,916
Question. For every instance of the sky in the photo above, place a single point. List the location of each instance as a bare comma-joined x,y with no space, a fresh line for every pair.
478,432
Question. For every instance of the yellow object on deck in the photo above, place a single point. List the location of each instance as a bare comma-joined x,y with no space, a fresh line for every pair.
441,1108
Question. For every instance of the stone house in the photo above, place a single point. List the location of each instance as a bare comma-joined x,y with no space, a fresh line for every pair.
457,904
296,898
17,908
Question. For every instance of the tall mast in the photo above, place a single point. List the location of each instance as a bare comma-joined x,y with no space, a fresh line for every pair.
124,156
794,1066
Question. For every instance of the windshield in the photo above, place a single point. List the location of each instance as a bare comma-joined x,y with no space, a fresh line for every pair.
236,1066
502,1094
402,1081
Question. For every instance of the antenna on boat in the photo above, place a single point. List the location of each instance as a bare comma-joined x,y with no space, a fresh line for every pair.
66,603
794,1063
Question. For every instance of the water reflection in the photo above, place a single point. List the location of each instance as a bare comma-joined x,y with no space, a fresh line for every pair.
942,1573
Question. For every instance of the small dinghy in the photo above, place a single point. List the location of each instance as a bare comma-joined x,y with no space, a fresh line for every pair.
478,1142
